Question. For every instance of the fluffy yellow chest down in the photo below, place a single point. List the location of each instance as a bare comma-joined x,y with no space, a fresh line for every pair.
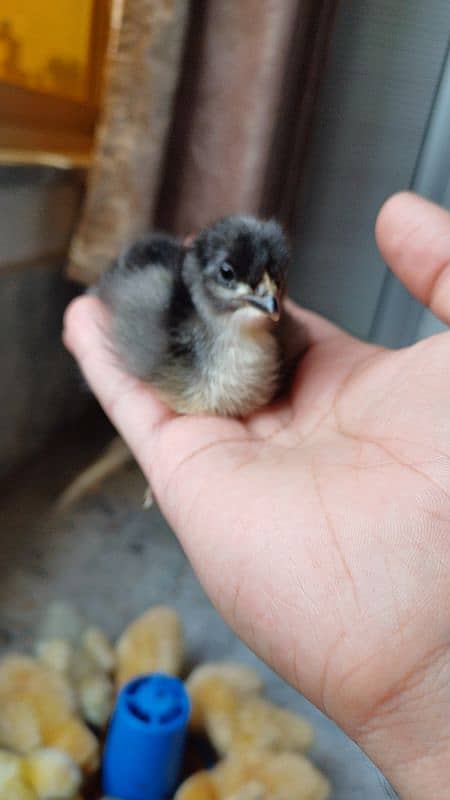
238,373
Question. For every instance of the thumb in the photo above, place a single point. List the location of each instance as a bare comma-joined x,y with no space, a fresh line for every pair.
413,236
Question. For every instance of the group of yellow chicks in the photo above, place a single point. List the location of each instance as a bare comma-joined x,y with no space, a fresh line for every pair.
55,707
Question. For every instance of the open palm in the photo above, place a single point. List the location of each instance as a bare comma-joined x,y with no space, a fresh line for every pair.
320,527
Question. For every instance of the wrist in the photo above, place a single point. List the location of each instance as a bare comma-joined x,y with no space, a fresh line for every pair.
409,735
416,775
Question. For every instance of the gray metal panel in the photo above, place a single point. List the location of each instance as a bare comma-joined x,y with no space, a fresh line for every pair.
40,388
384,66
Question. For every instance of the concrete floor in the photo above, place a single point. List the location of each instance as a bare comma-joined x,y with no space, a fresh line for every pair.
113,560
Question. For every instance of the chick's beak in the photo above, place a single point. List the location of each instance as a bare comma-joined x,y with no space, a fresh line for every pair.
268,303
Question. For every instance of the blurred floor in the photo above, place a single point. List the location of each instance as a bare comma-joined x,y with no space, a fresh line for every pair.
113,560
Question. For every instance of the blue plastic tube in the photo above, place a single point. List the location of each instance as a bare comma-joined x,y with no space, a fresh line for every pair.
145,743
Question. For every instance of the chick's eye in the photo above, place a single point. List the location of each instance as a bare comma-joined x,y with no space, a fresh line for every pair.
226,272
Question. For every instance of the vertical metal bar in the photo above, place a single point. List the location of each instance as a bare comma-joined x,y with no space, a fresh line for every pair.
398,314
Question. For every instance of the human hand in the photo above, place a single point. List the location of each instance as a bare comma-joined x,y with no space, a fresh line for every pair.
320,527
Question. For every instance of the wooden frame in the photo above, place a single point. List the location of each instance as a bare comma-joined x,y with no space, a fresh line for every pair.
37,127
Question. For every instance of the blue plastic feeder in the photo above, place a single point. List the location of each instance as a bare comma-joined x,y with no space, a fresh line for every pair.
145,743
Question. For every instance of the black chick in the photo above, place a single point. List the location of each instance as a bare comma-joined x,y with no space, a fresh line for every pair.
203,322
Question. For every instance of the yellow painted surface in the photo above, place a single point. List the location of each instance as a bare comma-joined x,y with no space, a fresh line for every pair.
44,45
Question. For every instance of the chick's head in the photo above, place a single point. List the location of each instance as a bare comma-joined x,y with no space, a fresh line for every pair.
239,264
